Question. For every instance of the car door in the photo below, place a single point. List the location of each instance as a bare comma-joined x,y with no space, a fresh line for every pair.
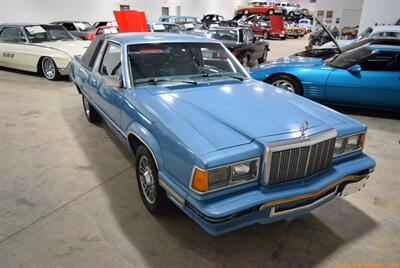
12,47
376,84
256,47
107,96
385,68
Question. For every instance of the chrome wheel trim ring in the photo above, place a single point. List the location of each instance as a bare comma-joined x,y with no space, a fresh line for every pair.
147,180
48,68
284,84
86,106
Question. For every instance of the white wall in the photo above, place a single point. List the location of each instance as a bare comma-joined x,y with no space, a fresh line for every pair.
305,4
379,12
338,6
44,11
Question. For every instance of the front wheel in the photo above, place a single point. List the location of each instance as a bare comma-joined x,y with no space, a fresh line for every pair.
287,83
153,196
49,69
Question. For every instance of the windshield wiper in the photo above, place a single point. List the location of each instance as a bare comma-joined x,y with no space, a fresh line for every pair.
220,75
155,81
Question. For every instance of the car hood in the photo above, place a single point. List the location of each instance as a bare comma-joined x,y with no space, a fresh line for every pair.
295,61
72,48
235,113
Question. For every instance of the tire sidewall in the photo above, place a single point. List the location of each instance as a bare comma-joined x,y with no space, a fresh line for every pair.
295,84
56,75
160,200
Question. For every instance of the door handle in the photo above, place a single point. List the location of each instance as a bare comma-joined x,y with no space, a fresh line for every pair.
93,81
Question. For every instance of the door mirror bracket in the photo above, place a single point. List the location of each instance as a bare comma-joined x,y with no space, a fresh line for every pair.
356,68
114,82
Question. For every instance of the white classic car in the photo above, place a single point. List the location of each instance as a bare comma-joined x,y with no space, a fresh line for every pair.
41,48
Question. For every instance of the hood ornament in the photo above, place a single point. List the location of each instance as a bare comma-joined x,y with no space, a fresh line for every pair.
303,128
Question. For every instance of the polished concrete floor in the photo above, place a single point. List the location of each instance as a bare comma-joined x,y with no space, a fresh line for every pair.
68,197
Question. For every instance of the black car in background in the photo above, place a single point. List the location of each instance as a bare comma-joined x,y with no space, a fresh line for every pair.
80,29
212,19
241,41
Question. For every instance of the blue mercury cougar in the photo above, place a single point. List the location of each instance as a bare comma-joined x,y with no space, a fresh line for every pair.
228,150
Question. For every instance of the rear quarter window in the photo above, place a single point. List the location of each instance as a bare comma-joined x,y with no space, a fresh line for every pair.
89,58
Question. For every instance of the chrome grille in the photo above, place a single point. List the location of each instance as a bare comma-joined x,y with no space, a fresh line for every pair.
296,163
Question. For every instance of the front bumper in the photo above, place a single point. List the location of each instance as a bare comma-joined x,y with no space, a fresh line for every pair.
266,206
64,71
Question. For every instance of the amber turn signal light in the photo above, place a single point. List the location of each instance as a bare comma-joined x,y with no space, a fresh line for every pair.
200,180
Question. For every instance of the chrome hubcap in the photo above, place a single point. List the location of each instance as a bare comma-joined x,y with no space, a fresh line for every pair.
147,180
49,69
284,85
86,106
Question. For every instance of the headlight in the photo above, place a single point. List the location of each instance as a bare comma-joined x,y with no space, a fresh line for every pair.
206,180
348,144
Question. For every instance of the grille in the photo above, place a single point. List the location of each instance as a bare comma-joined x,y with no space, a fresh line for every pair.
300,162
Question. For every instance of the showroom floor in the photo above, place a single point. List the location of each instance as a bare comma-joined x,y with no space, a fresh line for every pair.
68,197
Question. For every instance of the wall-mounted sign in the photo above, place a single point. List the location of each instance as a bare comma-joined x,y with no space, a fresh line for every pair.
337,20
320,14
329,14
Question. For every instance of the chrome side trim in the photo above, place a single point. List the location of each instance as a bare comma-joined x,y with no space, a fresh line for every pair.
119,130
274,213
229,185
104,115
290,144
179,200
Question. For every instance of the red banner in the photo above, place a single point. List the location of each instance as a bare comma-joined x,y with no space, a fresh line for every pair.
131,21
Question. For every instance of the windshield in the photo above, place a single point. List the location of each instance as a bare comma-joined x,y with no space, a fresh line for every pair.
84,26
228,35
350,57
175,62
365,34
47,33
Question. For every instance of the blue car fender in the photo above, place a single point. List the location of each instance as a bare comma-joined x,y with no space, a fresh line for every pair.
145,136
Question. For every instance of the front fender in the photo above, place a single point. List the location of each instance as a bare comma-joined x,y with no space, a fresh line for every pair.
145,136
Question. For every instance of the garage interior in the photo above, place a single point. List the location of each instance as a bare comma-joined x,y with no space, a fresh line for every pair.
69,197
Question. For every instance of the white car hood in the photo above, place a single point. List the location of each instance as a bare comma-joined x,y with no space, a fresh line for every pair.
72,48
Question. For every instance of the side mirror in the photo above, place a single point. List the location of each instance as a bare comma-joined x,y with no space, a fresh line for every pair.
354,68
115,82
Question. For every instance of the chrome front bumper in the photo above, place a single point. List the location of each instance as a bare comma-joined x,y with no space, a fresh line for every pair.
65,71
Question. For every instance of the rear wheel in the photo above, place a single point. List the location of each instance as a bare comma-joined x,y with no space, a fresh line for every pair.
153,196
286,82
271,12
90,112
49,69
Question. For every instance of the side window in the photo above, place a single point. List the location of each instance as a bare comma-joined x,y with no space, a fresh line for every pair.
69,26
111,63
12,35
385,61
248,36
